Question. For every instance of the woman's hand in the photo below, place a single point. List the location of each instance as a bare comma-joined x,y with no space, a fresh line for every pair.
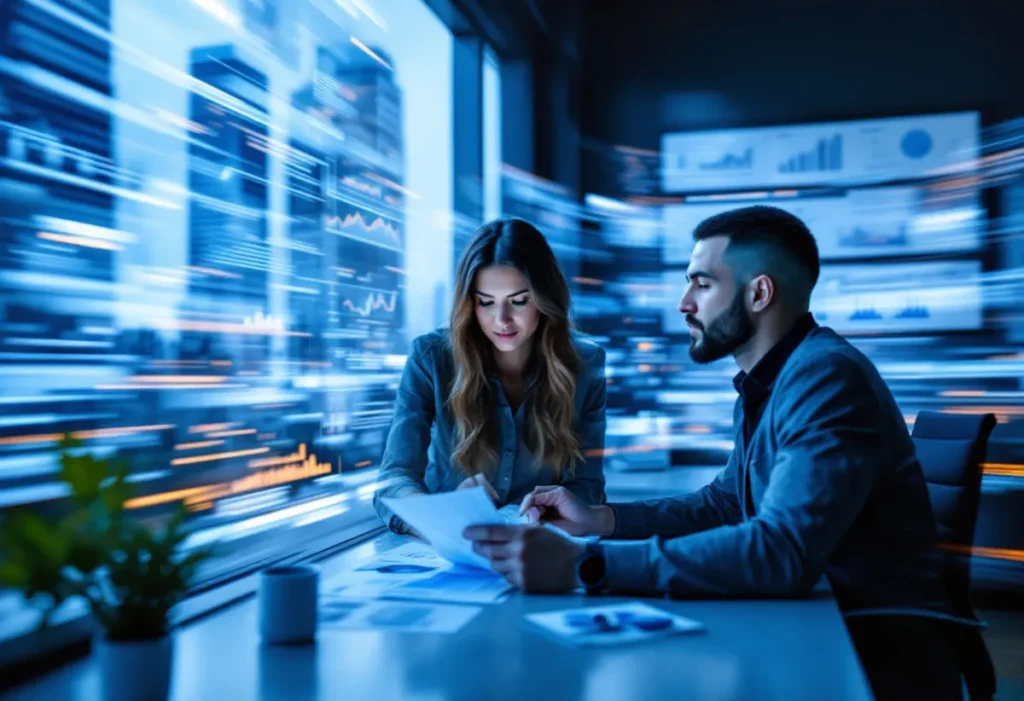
479,480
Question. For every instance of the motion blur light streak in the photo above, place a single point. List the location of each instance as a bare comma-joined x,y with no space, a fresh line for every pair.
83,435
218,456
239,432
995,553
79,241
995,468
197,445
371,53
206,428
307,468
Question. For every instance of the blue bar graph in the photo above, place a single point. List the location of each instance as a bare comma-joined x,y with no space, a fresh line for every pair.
826,156
730,161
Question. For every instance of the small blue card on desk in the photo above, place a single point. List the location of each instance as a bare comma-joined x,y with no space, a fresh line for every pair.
613,624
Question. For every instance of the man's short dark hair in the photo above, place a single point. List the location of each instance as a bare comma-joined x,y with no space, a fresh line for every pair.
768,241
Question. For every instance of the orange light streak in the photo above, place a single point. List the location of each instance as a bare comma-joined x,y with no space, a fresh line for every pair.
198,444
218,456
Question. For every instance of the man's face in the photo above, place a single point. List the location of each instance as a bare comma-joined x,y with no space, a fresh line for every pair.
714,304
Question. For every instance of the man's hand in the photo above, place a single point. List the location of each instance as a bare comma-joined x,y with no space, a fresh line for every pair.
562,509
535,559
480,480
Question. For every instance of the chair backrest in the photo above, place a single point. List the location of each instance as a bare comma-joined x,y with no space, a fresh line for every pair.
951,449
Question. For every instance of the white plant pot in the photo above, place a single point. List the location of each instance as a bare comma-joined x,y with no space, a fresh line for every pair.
134,670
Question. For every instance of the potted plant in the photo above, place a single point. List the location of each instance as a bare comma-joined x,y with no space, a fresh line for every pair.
130,574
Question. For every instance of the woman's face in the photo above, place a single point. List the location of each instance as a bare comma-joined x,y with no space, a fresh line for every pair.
504,307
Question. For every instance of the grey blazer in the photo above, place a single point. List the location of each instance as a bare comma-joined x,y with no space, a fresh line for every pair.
417,455
829,484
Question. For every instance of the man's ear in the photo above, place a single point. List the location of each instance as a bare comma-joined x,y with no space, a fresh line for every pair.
762,293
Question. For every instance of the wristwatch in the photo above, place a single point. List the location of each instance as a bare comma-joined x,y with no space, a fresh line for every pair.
590,568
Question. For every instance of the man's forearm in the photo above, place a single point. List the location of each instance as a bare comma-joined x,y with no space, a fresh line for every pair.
713,506
752,559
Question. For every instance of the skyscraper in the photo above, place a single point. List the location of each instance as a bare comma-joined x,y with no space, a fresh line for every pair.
275,23
57,242
311,260
57,181
370,204
229,255
370,75
316,145
347,207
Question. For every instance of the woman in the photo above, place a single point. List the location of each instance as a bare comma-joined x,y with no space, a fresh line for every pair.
507,397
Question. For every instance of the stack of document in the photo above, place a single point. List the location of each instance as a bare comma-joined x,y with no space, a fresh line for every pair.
447,570
397,616
414,571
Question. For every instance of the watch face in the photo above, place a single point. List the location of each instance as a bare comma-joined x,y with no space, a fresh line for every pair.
592,570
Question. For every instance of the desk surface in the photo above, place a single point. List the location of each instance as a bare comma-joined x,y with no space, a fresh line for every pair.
751,650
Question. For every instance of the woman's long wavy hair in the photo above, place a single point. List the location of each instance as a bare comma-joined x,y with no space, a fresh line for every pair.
549,399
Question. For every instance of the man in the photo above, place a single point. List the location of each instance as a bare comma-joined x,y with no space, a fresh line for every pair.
823,479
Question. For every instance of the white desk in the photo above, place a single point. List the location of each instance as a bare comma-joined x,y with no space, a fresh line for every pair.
751,651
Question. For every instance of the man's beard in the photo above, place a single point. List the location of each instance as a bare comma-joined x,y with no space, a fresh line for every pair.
727,332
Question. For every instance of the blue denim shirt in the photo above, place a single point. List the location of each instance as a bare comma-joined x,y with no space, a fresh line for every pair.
417,456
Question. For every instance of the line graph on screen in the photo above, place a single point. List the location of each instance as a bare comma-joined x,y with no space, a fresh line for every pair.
372,230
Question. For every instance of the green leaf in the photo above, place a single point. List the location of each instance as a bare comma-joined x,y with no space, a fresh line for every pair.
69,442
83,475
37,535
117,491
175,532
44,581
194,559
13,575
84,555
177,519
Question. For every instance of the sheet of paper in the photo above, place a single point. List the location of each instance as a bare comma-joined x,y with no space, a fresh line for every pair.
374,579
441,518
394,615
411,553
510,514
612,625
459,584
415,571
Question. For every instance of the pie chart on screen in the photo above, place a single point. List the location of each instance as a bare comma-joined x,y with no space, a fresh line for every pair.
916,143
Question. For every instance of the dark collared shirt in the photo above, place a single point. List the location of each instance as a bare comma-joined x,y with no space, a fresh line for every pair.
756,386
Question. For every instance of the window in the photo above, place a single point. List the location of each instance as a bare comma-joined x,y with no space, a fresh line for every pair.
217,248
492,135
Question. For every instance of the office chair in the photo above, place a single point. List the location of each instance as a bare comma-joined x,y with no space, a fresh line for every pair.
951,449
